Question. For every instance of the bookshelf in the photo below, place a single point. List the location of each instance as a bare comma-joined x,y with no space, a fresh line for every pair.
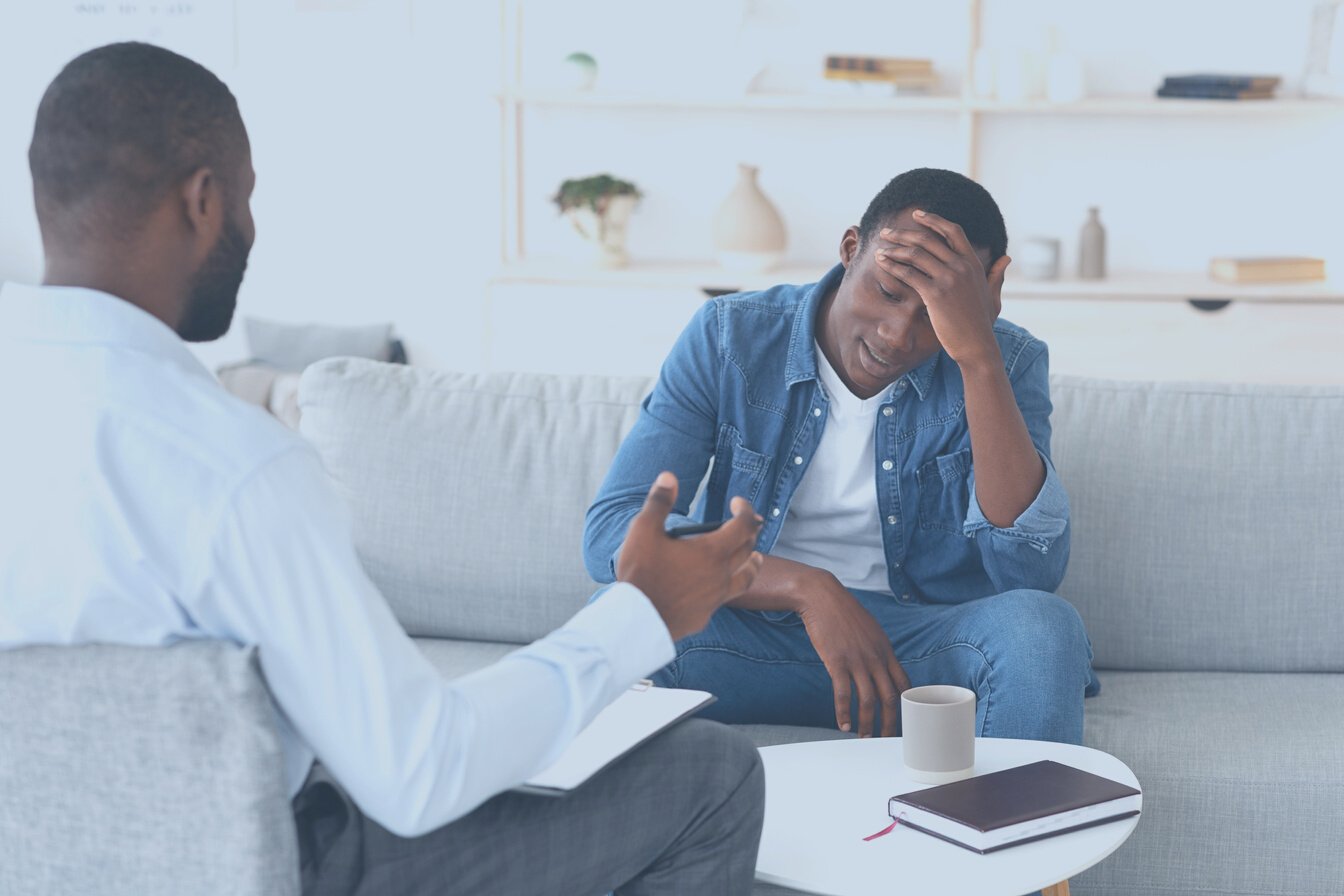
710,278
970,126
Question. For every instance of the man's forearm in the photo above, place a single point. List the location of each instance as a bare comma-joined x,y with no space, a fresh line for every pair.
1009,472
780,585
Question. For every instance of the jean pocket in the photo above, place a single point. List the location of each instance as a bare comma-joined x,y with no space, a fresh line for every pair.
740,470
945,492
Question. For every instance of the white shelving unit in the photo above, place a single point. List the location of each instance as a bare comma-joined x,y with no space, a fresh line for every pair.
518,268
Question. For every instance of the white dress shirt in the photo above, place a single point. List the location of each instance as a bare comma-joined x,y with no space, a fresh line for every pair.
833,521
142,504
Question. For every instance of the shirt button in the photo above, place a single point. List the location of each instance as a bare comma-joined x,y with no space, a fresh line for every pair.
798,460
816,412
775,512
891,520
897,565
887,465
886,412
900,387
905,597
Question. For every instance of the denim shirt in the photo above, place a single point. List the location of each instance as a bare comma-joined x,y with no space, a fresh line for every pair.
740,388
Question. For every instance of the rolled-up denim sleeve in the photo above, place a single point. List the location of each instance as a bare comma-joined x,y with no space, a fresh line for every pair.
1034,551
675,431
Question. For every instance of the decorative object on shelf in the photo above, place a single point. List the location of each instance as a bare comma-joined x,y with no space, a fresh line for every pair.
1266,270
1065,76
1324,75
579,71
1092,248
1038,259
1219,87
1017,75
599,208
749,234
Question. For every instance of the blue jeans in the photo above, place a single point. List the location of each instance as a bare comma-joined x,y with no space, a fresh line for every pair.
1024,653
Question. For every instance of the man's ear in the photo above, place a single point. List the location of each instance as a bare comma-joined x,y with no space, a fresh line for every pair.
202,207
849,246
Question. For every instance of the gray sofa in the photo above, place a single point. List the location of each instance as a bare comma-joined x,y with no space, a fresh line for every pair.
1205,565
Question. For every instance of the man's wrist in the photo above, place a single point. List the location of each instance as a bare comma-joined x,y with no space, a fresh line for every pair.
810,587
986,363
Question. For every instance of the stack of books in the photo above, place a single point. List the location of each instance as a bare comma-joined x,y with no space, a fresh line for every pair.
1267,270
1220,87
886,74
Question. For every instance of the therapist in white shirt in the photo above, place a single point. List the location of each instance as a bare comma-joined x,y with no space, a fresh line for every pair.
144,505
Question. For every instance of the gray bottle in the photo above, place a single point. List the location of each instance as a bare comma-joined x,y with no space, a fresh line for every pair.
1092,248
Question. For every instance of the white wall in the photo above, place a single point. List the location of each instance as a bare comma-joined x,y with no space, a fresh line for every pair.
375,141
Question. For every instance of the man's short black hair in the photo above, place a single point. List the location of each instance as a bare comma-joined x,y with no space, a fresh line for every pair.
944,193
118,128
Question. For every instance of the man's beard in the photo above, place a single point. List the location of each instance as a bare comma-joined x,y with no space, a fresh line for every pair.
214,288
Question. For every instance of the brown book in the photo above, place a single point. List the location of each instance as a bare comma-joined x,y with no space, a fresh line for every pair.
1018,805
1266,270
876,68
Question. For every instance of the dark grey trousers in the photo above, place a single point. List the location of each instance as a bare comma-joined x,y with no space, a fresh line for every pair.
682,814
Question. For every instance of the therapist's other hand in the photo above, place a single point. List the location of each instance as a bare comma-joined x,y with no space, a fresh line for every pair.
687,579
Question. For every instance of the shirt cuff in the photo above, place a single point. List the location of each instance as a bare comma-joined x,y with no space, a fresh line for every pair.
1044,520
628,630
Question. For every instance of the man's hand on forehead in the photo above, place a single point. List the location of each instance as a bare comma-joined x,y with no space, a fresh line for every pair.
939,263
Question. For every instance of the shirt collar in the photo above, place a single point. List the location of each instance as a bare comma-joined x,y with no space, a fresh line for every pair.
801,364
74,315
802,359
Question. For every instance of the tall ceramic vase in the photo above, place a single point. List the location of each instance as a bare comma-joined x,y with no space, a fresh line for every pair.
749,234
604,231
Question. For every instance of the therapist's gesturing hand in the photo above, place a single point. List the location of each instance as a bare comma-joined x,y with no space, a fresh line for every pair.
687,579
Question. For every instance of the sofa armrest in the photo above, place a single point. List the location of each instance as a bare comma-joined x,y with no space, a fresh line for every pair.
141,770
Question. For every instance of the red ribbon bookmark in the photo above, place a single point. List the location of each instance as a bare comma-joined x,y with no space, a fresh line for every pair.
885,831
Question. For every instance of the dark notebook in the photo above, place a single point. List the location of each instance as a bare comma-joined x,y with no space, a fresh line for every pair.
1017,805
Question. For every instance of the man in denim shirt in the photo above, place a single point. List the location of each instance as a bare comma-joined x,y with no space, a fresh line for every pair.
848,412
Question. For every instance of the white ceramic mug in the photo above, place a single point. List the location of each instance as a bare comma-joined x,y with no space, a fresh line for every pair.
1038,258
938,733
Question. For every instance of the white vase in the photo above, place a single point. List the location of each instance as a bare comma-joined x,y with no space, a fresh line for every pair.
604,233
749,234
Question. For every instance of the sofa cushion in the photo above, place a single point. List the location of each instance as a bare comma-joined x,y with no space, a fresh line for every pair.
469,490
1205,523
141,770
1242,777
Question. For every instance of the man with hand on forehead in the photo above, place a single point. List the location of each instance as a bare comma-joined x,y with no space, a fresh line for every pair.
894,432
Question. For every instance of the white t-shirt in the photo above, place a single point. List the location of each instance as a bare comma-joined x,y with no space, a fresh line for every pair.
832,522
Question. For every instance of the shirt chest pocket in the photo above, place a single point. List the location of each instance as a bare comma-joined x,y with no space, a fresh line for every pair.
945,492
738,469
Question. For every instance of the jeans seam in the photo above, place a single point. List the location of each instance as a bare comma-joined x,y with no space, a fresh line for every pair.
788,661
989,686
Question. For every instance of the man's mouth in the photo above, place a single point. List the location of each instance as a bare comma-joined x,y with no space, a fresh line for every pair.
878,360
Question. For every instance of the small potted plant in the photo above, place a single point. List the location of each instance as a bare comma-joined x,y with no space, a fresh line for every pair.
599,208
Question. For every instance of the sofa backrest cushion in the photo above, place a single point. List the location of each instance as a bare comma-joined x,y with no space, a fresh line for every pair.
141,770
1207,523
469,490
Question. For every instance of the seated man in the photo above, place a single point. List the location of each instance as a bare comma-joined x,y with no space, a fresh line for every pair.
144,505
895,433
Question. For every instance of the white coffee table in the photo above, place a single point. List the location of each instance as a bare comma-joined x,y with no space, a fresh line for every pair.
823,798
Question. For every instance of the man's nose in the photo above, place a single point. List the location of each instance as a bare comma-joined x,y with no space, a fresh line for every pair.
897,335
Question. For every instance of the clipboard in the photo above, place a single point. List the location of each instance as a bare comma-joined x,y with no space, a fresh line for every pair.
630,720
